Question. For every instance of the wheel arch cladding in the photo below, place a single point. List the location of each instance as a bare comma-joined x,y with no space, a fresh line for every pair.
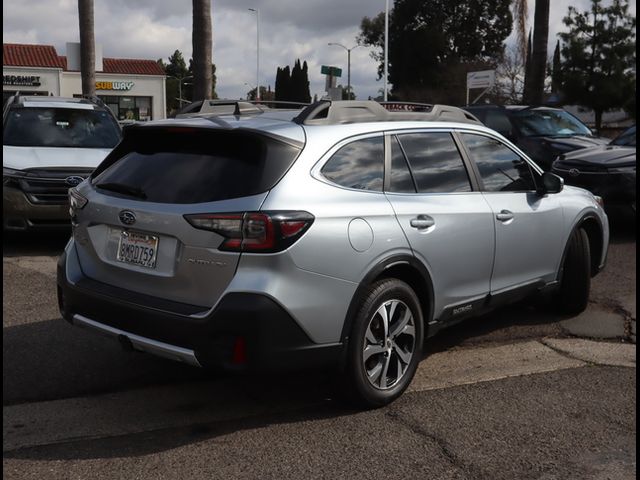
404,268
592,226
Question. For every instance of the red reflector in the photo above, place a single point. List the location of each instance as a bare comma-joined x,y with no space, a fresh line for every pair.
289,229
239,356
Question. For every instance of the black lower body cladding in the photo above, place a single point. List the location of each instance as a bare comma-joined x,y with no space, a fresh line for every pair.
270,338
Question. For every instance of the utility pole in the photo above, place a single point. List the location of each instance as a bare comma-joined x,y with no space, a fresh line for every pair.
257,12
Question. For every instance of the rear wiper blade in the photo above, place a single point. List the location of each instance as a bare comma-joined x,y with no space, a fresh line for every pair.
122,188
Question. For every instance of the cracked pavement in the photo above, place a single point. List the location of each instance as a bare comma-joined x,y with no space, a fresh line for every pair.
520,393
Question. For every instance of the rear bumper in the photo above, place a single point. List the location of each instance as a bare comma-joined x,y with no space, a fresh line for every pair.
18,213
246,331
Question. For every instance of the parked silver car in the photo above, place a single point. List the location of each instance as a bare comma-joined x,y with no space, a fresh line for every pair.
340,235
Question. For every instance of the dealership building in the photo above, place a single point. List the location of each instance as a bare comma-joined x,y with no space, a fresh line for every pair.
134,89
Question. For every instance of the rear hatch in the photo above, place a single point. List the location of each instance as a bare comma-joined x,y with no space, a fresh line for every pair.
133,232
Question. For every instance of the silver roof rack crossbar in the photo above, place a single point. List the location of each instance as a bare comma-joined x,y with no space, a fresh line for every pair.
326,112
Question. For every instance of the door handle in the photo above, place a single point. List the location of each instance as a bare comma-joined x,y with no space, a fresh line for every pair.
505,216
422,221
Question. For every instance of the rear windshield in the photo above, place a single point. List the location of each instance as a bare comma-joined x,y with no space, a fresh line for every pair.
193,166
60,127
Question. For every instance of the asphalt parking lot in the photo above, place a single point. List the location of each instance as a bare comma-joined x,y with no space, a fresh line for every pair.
521,393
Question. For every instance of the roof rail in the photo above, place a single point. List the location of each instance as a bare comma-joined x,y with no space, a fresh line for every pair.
327,112
95,99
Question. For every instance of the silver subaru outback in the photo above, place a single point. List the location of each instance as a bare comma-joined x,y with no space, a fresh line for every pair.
341,235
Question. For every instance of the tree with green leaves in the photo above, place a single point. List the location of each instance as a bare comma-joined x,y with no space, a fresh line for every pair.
599,52
453,38
556,70
283,84
294,86
179,83
266,94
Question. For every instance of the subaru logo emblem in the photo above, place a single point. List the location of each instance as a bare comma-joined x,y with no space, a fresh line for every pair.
127,217
574,172
73,180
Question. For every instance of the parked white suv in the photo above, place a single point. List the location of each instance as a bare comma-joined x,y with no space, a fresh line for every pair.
49,145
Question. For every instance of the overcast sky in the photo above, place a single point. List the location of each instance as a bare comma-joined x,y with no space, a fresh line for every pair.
290,29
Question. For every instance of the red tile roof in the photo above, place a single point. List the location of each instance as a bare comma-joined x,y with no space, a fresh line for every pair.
132,66
14,54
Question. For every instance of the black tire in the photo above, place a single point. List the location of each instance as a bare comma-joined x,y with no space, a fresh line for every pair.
573,295
356,375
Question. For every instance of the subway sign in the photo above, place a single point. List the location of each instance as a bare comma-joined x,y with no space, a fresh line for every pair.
21,80
114,85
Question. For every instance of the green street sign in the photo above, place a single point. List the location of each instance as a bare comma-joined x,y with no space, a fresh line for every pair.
333,71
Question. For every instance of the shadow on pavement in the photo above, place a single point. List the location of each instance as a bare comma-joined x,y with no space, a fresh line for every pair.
622,224
51,360
16,244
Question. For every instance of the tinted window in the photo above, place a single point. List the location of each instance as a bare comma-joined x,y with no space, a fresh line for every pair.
543,122
359,164
501,169
193,166
400,178
499,122
627,138
435,162
60,127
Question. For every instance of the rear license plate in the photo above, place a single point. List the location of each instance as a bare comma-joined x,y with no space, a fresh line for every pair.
137,249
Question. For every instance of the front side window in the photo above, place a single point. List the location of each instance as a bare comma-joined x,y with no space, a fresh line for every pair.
501,169
359,165
435,162
60,127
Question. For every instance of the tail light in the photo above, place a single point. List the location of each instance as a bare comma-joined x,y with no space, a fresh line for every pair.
265,232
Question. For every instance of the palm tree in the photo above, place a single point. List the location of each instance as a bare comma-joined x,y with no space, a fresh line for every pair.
201,41
534,92
87,47
520,13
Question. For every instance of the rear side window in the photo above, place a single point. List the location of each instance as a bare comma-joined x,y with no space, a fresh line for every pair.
193,166
435,162
501,169
400,180
359,164
499,122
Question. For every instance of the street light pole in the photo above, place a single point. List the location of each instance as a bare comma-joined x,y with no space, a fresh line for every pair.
257,11
180,80
386,48
348,64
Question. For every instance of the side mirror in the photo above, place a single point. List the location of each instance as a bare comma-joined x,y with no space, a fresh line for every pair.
551,183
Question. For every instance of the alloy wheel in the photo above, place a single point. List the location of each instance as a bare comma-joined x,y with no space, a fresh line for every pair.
389,344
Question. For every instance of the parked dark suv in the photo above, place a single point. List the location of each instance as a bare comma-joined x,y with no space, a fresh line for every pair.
608,170
542,133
